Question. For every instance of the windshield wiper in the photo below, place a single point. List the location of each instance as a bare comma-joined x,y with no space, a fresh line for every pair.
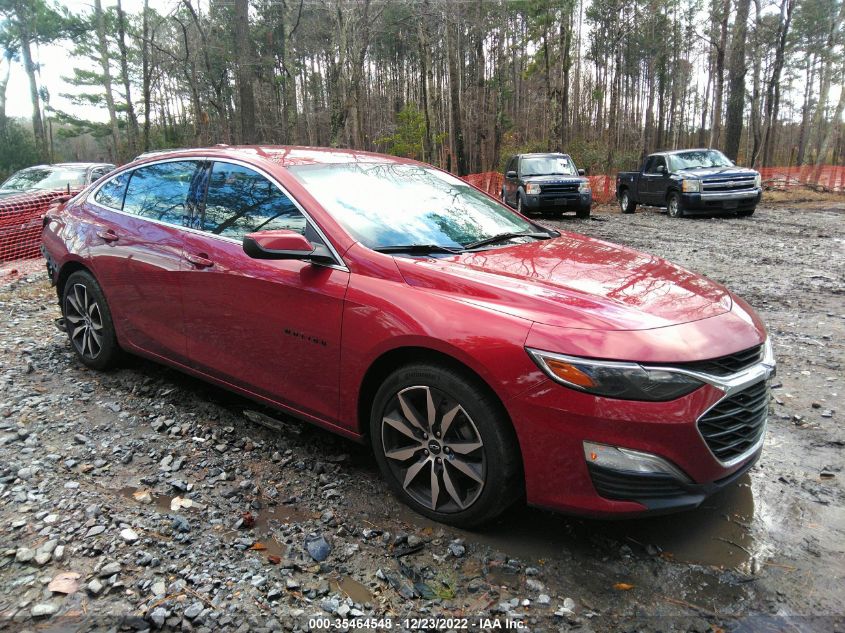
416,249
505,236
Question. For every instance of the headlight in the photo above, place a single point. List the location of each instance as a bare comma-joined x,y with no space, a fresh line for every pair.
584,187
691,185
532,188
627,381
768,354
758,181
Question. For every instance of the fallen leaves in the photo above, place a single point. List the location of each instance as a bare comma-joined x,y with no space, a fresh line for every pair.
66,582
273,559
248,521
258,547
623,586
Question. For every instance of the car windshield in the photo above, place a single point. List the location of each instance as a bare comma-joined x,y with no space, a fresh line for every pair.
45,178
388,204
698,159
547,166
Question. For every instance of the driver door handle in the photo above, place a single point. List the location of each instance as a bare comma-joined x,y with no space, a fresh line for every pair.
200,260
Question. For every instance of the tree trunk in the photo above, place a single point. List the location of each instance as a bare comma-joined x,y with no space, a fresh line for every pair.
719,80
246,96
833,40
736,81
103,50
4,81
460,163
29,67
132,137
805,111
824,144
773,89
146,71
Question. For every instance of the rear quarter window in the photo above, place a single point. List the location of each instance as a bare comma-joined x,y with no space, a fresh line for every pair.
112,192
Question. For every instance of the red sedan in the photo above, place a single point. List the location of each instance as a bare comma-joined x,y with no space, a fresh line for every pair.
484,357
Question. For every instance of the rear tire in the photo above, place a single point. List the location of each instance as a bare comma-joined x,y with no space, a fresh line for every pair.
88,321
674,205
626,205
444,445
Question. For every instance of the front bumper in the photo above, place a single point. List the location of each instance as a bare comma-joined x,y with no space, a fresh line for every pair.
721,201
574,200
553,422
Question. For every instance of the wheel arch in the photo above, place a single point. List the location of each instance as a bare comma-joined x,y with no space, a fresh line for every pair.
67,269
398,357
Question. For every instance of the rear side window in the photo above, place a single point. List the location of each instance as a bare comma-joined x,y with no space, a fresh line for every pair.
242,201
111,193
160,191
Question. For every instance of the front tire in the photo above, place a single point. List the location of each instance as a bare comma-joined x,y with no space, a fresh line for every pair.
674,205
583,213
88,321
746,213
520,208
444,445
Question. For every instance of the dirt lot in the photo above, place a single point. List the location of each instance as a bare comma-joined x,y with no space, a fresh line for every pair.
145,499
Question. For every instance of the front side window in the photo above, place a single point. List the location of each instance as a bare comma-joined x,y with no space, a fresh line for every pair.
699,159
547,166
388,204
111,193
160,191
242,201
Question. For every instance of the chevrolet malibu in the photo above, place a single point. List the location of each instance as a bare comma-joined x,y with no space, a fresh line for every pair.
485,358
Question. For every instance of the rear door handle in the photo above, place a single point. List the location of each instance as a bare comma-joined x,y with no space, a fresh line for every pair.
201,260
108,236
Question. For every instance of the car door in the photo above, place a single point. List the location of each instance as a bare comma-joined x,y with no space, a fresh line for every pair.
269,326
511,183
139,254
648,181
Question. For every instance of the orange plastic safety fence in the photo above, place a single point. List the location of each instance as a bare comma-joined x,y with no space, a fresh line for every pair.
21,216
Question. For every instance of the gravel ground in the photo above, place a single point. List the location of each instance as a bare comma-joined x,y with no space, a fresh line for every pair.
144,499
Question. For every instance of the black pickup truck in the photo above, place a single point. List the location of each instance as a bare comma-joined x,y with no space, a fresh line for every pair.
690,181
546,182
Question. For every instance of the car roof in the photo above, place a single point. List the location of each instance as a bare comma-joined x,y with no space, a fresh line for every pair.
69,165
282,155
681,151
543,154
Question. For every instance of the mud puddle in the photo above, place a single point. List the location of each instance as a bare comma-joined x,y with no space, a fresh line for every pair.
717,534
163,503
350,587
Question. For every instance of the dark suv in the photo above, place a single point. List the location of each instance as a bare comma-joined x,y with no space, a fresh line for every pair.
546,182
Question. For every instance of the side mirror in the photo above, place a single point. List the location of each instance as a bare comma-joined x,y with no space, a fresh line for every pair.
581,172
511,174
661,169
285,244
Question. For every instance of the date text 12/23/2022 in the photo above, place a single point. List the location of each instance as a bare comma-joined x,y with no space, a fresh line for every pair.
416,624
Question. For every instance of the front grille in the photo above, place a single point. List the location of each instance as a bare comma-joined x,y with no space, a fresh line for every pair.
559,188
727,365
736,423
612,484
723,185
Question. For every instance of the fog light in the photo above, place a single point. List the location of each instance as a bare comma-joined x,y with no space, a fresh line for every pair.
627,460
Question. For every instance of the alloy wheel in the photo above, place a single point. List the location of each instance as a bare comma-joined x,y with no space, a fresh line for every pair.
84,321
623,202
673,207
433,449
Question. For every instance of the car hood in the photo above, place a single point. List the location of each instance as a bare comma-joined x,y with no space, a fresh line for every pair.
556,179
716,172
573,281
